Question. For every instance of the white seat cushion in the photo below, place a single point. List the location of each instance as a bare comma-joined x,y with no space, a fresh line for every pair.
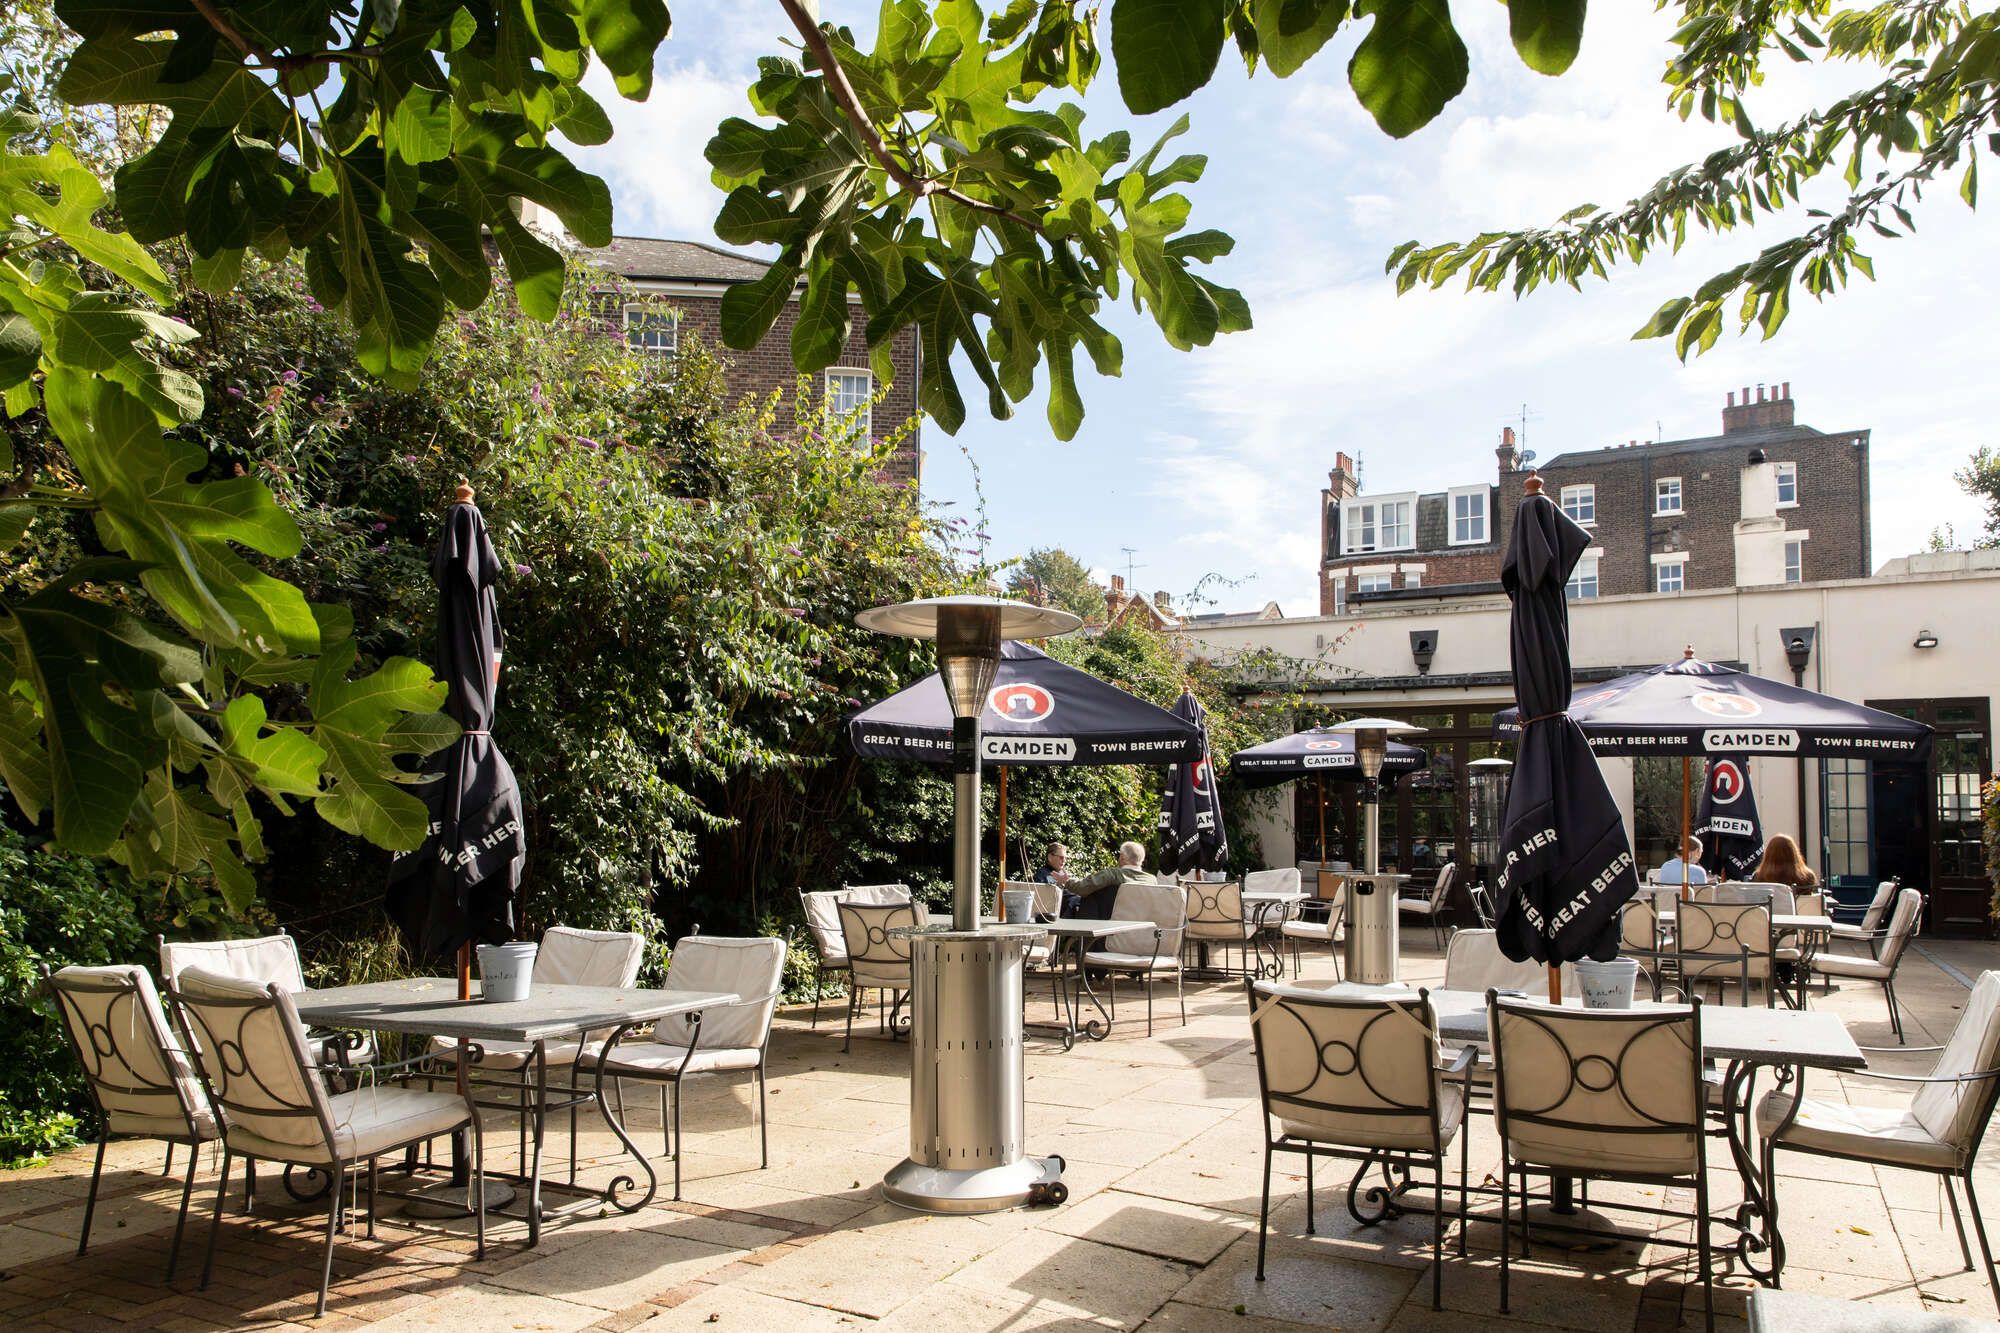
1840,965
657,1059
1301,929
1451,1114
1145,962
366,1122
508,1054
1880,1133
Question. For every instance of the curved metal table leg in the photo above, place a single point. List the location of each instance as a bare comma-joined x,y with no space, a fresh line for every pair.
618,1128
1759,1243
1096,1029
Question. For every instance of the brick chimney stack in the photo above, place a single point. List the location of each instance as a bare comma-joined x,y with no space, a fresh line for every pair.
1772,408
1508,453
1340,480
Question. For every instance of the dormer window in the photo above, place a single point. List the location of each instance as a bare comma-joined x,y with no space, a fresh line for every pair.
1378,523
1468,515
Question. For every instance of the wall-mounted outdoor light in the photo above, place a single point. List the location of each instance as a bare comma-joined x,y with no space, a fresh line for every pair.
1925,639
1423,647
1798,649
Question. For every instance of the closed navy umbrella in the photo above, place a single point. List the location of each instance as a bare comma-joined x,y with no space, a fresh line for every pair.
1191,834
460,886
1566,866
1732,837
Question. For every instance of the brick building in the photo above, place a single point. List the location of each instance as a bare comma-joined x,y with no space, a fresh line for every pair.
1667,516
679,285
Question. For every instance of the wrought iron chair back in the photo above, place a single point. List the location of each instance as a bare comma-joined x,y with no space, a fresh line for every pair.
1723,941
877,958
1601,1091
1357,1071
250,1048
1215,911
138,1077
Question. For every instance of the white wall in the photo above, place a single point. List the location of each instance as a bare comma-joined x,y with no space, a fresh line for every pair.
1866,631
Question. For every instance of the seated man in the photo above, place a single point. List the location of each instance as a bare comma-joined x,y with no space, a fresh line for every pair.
1676,871
1092,897
1053,863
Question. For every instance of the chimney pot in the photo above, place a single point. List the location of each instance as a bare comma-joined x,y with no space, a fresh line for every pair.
1118,583
1163,600
1787,394
1732,399
1507,436
1760,393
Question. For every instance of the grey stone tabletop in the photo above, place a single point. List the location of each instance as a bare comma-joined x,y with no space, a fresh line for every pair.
429,1006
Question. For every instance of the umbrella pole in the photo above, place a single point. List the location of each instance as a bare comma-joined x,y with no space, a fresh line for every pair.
1000,892
1319,781
1555,984
1687,767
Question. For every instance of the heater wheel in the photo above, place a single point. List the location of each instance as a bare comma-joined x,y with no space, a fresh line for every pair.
1050,1195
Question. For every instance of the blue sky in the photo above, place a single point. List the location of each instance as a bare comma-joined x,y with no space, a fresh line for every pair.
1211,462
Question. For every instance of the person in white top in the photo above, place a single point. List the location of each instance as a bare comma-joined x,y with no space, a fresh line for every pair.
1675,871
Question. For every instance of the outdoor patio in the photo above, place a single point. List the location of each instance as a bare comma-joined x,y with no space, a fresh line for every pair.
1163,1151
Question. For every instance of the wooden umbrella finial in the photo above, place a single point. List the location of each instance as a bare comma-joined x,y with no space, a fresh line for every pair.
1687,653
463,494
1533,485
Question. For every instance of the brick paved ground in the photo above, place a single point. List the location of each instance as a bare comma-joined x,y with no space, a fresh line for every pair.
1162,1142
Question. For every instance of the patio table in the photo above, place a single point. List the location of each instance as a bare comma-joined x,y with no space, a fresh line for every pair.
1788,1041
1072,939
429,1006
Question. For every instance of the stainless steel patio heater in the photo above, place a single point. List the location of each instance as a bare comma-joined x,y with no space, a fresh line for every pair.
968,1113
1373,946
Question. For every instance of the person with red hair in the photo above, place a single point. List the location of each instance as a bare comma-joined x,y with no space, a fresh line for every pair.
1783,863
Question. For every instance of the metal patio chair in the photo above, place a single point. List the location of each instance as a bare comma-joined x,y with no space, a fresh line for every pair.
1433,905
1889,945
1153,948
1724,942
1215,917
1320,921
1938,1130
1600,1094
1359,1079
139,1078
254,1061
876,960
822,914
725,1039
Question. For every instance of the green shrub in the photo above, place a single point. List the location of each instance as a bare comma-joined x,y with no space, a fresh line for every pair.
56,911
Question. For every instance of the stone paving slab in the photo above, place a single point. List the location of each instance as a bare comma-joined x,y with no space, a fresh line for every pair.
1165,1169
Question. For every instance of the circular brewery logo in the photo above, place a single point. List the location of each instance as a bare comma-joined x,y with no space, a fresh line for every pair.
1328,743
1199,774
1582,702
1021,702
1725,781
1726,705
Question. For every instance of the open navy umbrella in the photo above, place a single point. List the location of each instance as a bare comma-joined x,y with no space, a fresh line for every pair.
1566,865
1039,712
460,886
1693,707
1318,752
1732,837
1191,834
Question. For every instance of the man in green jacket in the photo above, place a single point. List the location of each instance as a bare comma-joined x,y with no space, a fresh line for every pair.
1092,902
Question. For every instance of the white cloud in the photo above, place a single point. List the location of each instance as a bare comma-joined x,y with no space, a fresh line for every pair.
653,163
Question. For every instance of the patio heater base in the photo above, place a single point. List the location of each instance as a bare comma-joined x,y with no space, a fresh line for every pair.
993,1189
967,1085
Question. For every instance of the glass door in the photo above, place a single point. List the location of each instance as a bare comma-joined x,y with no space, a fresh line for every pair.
1927,821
